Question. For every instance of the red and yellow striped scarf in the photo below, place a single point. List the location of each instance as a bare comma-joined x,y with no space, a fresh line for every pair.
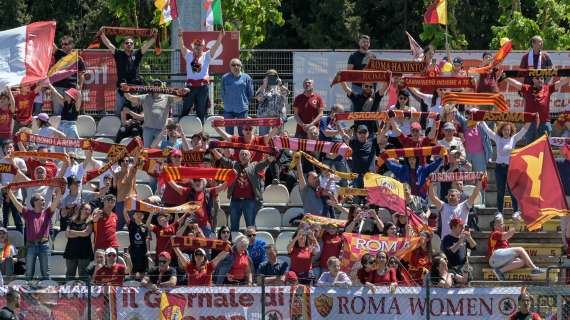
479,99
242,146
192,243
420,152
323,167
40,155
6,250
248,122
141,206
54,182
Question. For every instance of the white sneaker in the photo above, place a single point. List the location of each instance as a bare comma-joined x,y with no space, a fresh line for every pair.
517,216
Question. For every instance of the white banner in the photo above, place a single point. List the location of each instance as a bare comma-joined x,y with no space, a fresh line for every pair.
219,303
322,66
410,303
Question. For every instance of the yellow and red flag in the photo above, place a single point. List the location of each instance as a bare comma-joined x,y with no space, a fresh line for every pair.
436,13
385,192
535,182
172,306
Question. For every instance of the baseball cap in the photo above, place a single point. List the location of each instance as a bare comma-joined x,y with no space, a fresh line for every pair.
362,127
2,229
416,125
109,197
110,251
42,117
291,276
156,82
448,126
165,254
72,179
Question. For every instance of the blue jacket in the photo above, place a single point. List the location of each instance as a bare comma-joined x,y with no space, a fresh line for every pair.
236,92
486,140
256,252
402,171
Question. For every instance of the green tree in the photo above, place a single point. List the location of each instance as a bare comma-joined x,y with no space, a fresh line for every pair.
435,34
14,14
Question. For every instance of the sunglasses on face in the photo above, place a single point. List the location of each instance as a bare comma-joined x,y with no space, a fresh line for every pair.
225,232
111,255
371,262
369,87
162,261
66,43
198,254
251,235
247,129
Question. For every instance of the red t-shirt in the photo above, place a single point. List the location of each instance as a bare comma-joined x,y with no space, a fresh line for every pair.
240,266
387,278
6,123
331,248
111,276
301,259
538,101
163,236
419,260
106,232
199,278
172,198
201,214
365,276
256,140
32,164
308,107
518,316
495,242
407,142
243,188
24,107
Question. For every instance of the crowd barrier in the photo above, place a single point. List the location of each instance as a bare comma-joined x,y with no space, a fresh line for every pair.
74,302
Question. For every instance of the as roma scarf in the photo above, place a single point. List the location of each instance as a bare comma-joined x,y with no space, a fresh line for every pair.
172,173
242,146
432,83
124,31
58,142
479,99
460,176
361,76
129,149
497,59
153,89
345,191
141,206
248,122
294,144
323,167
396,66
383,115
8,168
188,157
420,152
323,221
193,243
520,117
40,155
55,182
537,73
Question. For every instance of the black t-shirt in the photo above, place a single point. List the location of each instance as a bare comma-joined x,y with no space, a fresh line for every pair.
359,60
153,275
80,247
7,314
460,256
137,237
363,155
69,112
128,67
70,82
362,103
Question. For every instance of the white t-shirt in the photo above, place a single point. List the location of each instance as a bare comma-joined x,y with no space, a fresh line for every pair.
449,212
6,178
204,60
405,124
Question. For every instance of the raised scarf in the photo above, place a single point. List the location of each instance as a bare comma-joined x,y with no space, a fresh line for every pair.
6,250
172,173
320,165
361,76
537,73
497,59
396,66
482,115
141,206
432,83
54,182
420,152
125,31
384,115
241,146
460,176
345,191
480,99
40,155
248,122
58,142
8,168
562,119
188,157
559,141
295,144
192,243
530,59
323,221
129,149
153,89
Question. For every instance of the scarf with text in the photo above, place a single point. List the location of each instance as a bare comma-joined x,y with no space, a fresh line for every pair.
479,99
40,155
432,83
323,167
345,191
497,59
323,221
396,66
8,168
420,152
361,76
55,182
295,144
132,204
537,73
562,119
460,176
242,146
172,173
482,115
558,141
153,89
385,115
248,122
58,142
125,31
186,243
117,155
188,157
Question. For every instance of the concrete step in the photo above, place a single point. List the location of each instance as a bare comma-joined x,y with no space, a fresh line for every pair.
548,239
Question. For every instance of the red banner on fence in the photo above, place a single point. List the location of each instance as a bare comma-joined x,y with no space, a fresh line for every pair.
100,81
228,50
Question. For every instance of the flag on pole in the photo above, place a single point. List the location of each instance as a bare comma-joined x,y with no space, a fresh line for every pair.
385,192
534,180
26,53
436,13
168,10
64,68
417,50
172,306
214,16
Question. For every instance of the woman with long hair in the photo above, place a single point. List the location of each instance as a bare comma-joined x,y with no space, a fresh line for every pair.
440,275
364,275
420,260
78,250
199,269
302,248
384,275
225,234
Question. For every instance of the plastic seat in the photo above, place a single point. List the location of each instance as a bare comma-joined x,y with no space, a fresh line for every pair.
55,121
18,283
123,238
190,125
265,236
223,197
143,177
56,264
16,238
143,191
131,283
275,195
108,126
282,241
290,214
86,126
290,126
268,218
208,126
60,242
295,197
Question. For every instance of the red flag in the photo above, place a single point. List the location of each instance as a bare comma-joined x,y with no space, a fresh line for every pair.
534,181
172,306
436,13
385,192
566,151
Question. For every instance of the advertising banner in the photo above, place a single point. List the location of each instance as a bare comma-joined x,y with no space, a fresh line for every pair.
100,80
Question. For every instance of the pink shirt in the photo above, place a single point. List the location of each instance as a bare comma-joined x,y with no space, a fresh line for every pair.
473,140
37,224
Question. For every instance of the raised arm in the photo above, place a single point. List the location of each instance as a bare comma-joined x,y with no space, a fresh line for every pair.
134,99
515,83
55,93
560,83
417,93
12,100
17,204
433,198
183,49
56,200
475,194
218,43
149,42
346,88
107,42
300,177
156,142
223,133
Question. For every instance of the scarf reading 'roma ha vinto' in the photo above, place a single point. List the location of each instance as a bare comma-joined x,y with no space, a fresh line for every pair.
295,144
478,99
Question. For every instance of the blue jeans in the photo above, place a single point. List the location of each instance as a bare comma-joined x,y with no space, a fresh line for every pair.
69,128
533,133
119,102
148,135
338,164
501,171
37,108
234,115
41,251
198,97
237,207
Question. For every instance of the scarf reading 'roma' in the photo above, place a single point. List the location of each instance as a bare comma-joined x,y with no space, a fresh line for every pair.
171,173
478,99
120,153
242,146
124,31
8,168
320,165
432,83
141,206
248,122
193,243
482,115
383,115
497,59
55,182
40,155
315,219
295,144
420,152
153,89
537,73
361,76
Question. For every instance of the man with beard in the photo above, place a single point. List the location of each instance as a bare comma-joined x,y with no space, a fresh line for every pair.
359,59
308,108
8,312
67,45
366,100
